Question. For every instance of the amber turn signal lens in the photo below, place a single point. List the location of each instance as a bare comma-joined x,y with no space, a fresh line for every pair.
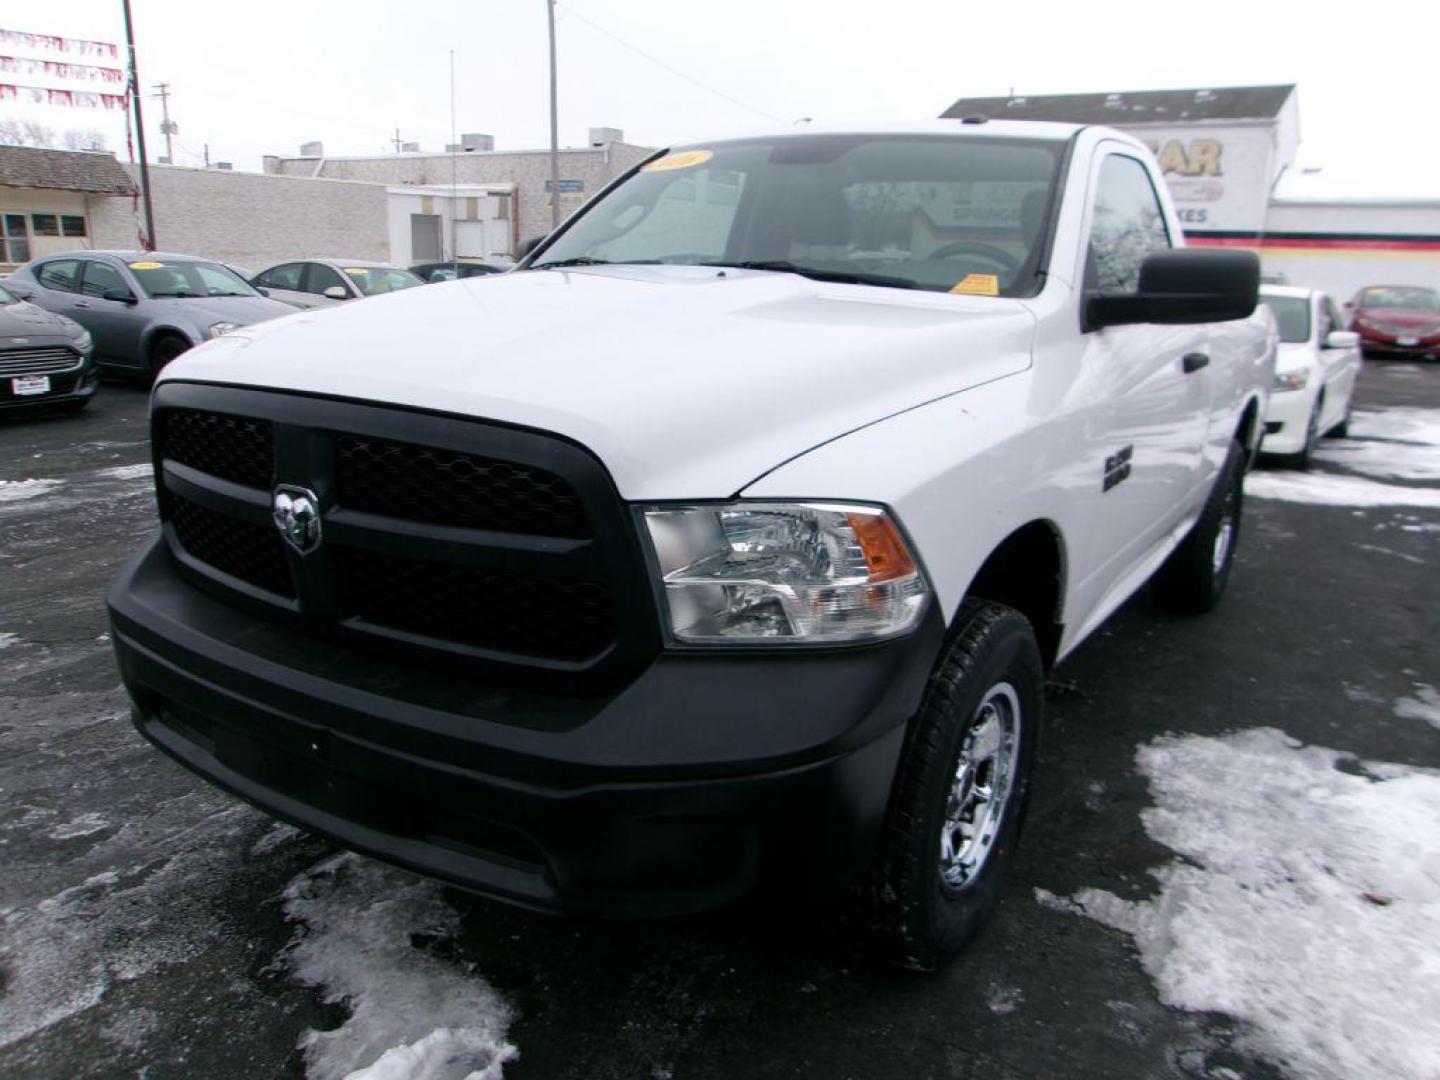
885,552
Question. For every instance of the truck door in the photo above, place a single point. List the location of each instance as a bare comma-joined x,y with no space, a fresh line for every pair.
1153,381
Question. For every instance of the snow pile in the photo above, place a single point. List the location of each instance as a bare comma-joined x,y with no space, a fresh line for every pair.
1305,901
1330,489
1425,705
15,490
8,639
1396,444
413,1015
143,471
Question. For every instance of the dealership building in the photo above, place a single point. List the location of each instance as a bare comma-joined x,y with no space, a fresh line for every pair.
1227,154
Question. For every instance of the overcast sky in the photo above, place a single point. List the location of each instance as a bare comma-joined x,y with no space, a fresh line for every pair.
262,76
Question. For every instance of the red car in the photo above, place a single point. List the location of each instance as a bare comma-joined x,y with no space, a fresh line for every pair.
1397,320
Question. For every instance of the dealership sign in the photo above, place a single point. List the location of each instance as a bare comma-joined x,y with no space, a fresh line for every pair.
1220,180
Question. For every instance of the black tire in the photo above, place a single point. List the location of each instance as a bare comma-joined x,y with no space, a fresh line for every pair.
1342,429
919,917
164,349
1194,577
1301,458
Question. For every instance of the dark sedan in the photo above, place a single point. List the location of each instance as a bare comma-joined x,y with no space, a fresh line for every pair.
449,271
44,357
143,308
1397,320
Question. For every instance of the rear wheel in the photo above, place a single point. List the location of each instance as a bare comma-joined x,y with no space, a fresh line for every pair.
960,790
1194,577
165,349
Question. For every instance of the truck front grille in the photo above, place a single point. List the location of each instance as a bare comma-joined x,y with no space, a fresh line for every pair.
426,483
252,553
235,448
536,616
504,549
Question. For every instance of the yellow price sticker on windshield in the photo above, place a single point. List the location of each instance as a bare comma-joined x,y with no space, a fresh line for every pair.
357,270
147,265
686,159
978,285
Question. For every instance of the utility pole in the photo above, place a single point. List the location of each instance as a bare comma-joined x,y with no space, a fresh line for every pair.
397,140
139,130
207,155
167,127
554,127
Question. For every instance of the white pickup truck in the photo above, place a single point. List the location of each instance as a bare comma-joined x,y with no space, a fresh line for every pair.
724,545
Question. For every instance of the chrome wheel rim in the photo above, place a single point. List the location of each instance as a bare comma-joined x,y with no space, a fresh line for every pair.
1225,535
981,787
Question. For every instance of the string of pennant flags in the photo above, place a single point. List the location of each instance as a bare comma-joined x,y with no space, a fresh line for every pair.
57,43
80,99
57,69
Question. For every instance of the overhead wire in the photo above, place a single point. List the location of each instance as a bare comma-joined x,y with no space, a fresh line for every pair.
667,67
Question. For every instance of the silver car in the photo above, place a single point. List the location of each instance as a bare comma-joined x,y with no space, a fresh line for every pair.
309,283
143,308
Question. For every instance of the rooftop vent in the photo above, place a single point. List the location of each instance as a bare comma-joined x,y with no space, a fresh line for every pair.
312,149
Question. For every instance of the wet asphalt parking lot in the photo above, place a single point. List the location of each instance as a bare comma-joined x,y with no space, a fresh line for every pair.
153,926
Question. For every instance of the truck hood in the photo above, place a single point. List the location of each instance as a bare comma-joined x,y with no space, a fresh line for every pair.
687,382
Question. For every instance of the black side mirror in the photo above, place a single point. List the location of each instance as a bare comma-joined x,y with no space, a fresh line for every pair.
1181,287
123,296
527,247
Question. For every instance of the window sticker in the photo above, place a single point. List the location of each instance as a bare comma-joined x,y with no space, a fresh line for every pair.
148,264
978,285
686,159
357,270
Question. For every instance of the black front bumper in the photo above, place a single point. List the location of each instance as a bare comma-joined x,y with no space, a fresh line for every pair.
709,775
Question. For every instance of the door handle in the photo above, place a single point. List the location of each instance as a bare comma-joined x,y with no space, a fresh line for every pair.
1194,361
81,303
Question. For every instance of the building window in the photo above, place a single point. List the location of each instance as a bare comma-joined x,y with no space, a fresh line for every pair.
45,224
15,244
72,225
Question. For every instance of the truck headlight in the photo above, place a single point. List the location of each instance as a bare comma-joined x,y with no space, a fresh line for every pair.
785,572
1292,380
221,328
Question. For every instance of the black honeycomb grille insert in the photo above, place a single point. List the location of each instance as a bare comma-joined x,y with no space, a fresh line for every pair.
252,553
447,487
234,448
532,616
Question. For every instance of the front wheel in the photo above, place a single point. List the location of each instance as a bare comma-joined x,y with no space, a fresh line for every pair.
960,789
1194,577
166,348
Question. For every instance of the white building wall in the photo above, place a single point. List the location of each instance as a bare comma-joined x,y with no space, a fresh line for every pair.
251,219
1344,245
1220,173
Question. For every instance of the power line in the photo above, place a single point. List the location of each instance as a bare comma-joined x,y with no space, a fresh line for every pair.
661,64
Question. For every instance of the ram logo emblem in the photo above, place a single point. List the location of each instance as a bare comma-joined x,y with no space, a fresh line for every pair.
297,515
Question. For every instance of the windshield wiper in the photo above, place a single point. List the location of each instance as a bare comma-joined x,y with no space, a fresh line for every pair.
579,260
175,296
815,273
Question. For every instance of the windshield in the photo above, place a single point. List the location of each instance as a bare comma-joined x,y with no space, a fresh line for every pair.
946,214
1391,297
374,280
1292,316
162,280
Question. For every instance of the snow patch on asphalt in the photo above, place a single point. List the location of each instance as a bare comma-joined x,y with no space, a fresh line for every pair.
1305,901
84,825
60,955
276,836
143,471
8,639
1393,444
1425,705
414,1015
1330,489
16,490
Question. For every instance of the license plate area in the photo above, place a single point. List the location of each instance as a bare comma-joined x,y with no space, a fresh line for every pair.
25,385
1407,341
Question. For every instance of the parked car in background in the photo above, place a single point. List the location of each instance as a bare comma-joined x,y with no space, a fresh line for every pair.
449,271
309,283
45,358
1397,320
1315,373
143,308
